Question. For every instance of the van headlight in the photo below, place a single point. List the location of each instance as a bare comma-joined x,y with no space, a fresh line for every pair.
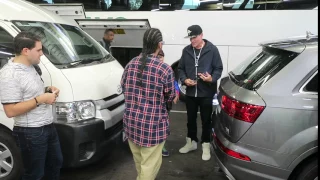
74,111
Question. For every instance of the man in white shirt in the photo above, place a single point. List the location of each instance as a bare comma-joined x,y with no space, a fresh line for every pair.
28,102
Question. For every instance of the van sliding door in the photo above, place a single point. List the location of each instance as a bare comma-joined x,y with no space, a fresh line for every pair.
128,35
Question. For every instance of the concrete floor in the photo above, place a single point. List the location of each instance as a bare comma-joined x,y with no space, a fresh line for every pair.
119,165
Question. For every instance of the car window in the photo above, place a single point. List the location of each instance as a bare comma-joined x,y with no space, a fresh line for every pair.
312,85
6,47
261,67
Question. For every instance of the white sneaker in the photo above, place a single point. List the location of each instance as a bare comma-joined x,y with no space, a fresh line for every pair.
206,155
190,146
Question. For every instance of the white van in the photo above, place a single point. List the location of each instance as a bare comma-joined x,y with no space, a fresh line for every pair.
88,114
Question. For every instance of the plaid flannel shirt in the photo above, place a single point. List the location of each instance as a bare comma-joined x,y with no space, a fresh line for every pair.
146,119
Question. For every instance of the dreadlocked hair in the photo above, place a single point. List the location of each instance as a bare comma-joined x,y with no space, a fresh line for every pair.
151,39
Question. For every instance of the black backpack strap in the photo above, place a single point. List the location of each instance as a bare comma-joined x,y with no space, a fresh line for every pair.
38,69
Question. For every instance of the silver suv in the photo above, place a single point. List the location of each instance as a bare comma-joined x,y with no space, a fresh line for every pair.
266,123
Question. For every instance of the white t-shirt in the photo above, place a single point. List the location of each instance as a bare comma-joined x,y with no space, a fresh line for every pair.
19,83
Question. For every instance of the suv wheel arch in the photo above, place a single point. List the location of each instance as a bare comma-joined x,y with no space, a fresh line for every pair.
306,169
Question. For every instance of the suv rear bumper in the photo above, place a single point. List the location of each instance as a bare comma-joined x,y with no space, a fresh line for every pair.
236,169
86,142
223,168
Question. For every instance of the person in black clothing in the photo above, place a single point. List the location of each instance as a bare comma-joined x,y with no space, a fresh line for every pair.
200,67
107,39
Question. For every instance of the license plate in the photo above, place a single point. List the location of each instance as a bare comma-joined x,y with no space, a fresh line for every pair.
124,137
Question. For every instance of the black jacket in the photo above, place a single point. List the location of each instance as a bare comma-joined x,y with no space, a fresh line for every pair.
210,61
105,44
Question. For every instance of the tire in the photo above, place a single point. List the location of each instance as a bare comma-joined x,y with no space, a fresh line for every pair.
11,157
309,171
182,88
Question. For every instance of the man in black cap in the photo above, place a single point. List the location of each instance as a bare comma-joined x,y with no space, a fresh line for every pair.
200,67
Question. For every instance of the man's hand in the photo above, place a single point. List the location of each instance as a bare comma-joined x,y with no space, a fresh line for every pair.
16,109
190,82
205,77
55,90
176,99
47,98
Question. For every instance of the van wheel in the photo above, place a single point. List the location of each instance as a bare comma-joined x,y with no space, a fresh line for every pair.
309,171
10,158
182,88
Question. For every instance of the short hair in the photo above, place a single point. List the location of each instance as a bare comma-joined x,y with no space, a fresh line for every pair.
24,40
108,30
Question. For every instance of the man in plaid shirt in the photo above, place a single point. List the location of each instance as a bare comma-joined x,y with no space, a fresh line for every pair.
148,85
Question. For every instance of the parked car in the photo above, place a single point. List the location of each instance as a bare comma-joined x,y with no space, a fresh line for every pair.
266,123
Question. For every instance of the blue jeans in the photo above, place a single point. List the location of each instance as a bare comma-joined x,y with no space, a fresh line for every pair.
40,150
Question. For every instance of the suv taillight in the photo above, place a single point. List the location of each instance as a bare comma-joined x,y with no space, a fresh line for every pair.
229,151
241,111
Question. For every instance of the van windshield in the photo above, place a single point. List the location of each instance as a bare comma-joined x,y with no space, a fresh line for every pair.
260,67
65,44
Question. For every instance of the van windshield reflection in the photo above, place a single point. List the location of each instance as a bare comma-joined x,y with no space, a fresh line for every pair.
65,44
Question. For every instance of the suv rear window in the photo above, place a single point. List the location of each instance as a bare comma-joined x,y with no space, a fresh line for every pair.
261,67
312,86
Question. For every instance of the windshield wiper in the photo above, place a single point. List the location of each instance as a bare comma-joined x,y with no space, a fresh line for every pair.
89,60
82,61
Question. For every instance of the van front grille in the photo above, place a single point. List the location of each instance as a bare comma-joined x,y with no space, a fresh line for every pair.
113,107
111,97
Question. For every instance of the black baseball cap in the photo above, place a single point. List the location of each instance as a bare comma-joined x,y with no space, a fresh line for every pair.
193,31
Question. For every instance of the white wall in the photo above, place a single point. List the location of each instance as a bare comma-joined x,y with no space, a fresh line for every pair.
235,33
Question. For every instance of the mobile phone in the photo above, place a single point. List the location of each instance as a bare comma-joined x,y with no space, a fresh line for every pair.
198,76
48,90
